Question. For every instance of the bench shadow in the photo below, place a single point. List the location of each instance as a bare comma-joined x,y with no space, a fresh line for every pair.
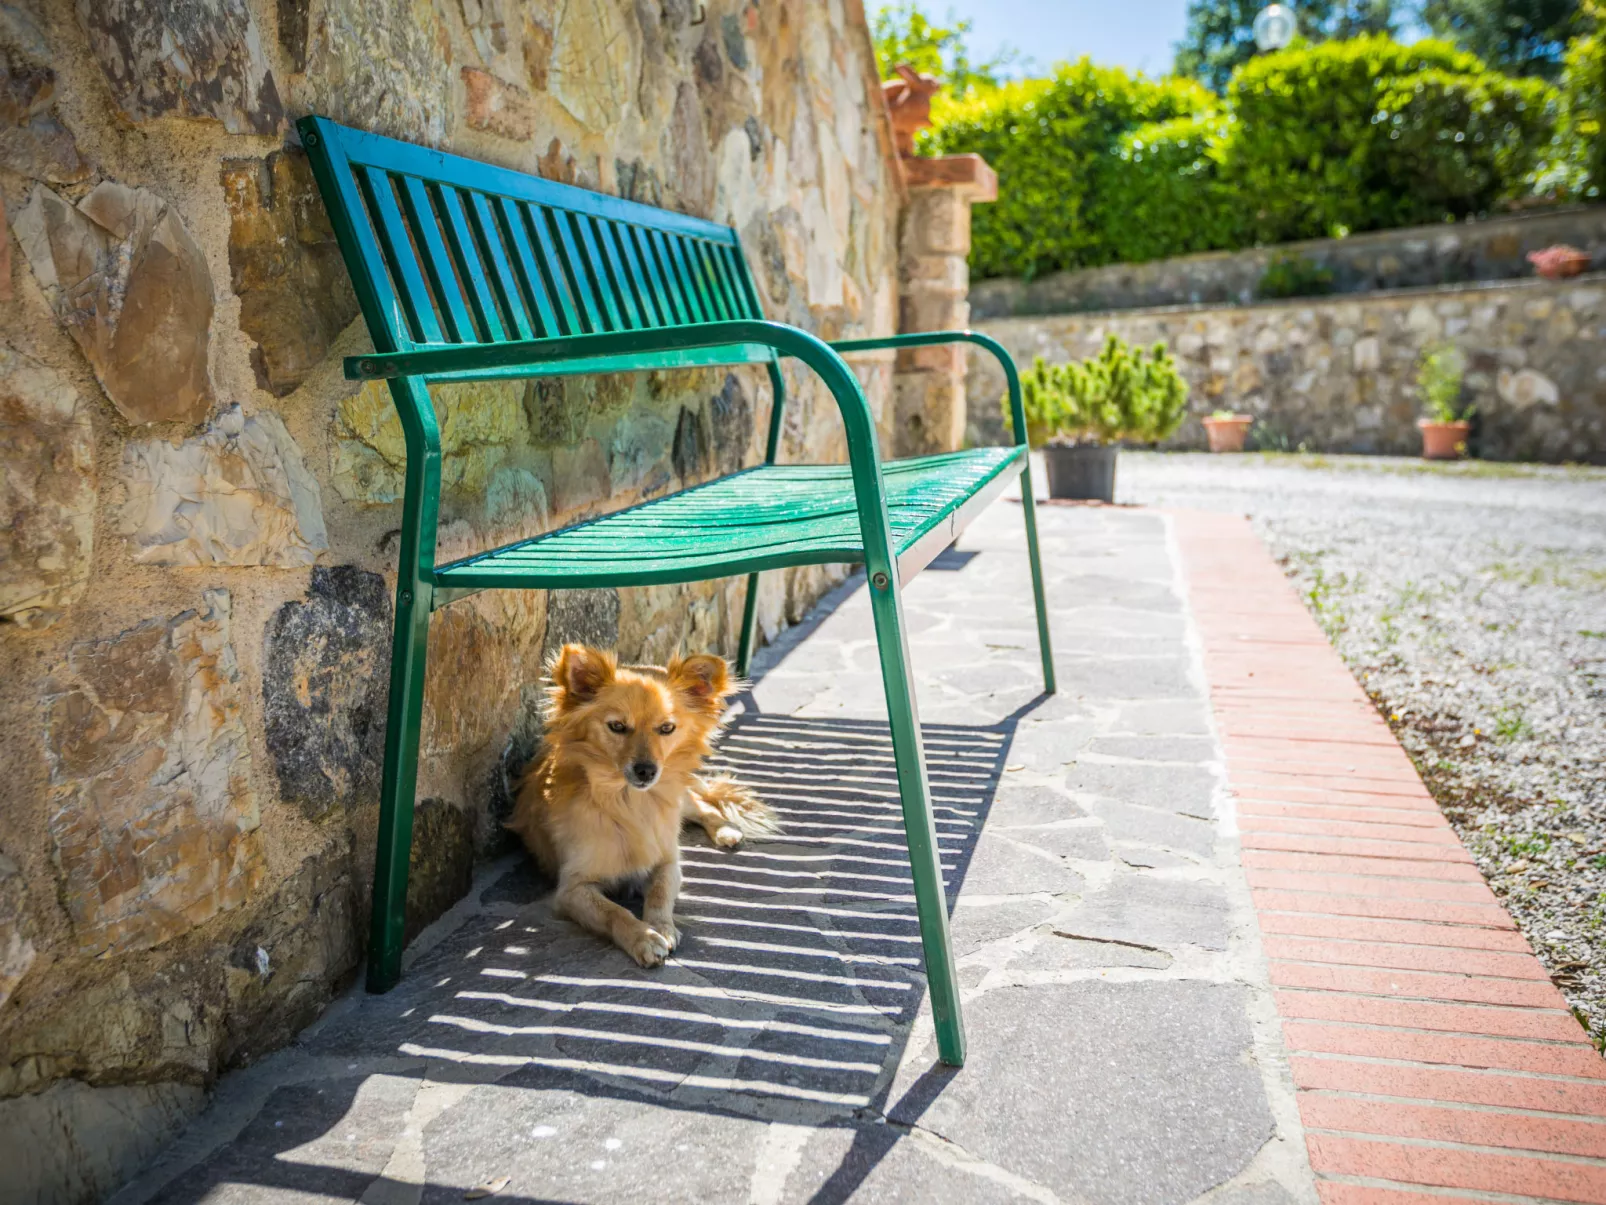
792,995
799,972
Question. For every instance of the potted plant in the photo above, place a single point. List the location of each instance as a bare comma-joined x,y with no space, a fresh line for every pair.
1438,382
1559,262
1227,430
1078,412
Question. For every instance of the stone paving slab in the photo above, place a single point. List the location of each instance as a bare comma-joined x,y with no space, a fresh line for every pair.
1434,1058
1123,1036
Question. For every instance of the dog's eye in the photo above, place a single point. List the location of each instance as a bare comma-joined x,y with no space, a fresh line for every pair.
618,726
666,728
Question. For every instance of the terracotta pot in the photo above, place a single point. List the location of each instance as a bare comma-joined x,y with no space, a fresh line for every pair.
1227,434
1559,262
1085,471
1442,441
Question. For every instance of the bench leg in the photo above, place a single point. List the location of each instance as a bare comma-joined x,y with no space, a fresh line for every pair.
744,654
1029,510
925,861
387,926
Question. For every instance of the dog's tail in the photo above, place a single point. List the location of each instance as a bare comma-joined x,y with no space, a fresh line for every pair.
736,805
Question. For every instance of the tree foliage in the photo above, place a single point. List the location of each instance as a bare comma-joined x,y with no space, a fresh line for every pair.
1096,166
1220,35
905,33
1519,37
1574,166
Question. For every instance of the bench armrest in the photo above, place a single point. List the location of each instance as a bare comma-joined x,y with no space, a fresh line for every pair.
1017,409
864,456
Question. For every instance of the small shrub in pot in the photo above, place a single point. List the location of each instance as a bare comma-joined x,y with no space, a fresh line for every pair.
1438,383
1078,412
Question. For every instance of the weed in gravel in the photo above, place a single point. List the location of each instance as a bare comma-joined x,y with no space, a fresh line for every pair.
1323,601
1511,725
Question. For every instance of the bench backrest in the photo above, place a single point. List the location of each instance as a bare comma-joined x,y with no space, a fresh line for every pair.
445,251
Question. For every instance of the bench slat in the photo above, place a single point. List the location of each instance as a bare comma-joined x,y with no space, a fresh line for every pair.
397,246
679,276
459,327
551,266
579,282
500,276
728,295
636,274
460,238
668,305
618,281
510,219
745,279
591,258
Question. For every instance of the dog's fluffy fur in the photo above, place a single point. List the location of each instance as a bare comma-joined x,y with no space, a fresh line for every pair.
617,778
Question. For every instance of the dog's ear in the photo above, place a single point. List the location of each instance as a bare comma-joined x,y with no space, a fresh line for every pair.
704,679
578,674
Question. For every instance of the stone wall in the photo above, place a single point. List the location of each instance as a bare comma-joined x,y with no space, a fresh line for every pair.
1338,374
1417,257
200,514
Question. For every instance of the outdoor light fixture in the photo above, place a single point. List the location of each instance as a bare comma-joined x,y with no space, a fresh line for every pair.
1275,27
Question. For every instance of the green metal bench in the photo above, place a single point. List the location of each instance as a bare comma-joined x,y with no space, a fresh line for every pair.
466,271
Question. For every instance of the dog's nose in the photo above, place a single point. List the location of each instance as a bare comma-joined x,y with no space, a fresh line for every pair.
645,773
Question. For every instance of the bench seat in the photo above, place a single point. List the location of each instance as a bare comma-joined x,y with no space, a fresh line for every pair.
767,517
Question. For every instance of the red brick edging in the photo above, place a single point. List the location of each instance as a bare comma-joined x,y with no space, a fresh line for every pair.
1434,1060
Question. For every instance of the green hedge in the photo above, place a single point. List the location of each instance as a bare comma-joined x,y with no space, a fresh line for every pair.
1049,140
1369,134
1096,166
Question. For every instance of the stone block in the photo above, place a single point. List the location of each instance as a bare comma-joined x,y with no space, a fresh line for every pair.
581,617
1154,1079
441,865
937,221
33,141
286,966
380,65
295,294
200,59
325,684
47,490
237,494
638,453
1527,387
498,107
596,57
579,476
479,422
74,1142
124,276
18,951
1152,911
152,821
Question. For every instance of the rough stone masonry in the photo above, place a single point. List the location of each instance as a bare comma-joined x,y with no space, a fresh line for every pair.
198,514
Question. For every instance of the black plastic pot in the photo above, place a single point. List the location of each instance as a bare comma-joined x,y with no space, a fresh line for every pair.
1085,471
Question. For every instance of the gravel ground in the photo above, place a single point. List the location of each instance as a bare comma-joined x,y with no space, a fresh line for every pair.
1470,601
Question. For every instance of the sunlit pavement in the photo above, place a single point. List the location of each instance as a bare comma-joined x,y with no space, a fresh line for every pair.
1123,1041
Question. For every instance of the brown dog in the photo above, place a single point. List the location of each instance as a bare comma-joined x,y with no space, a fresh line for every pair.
616,780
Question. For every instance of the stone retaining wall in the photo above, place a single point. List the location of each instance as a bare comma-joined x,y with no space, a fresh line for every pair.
199,514
1416,257
1338,374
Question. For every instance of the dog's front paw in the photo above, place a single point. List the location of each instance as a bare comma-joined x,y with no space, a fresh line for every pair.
727,836
648,946
666,927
